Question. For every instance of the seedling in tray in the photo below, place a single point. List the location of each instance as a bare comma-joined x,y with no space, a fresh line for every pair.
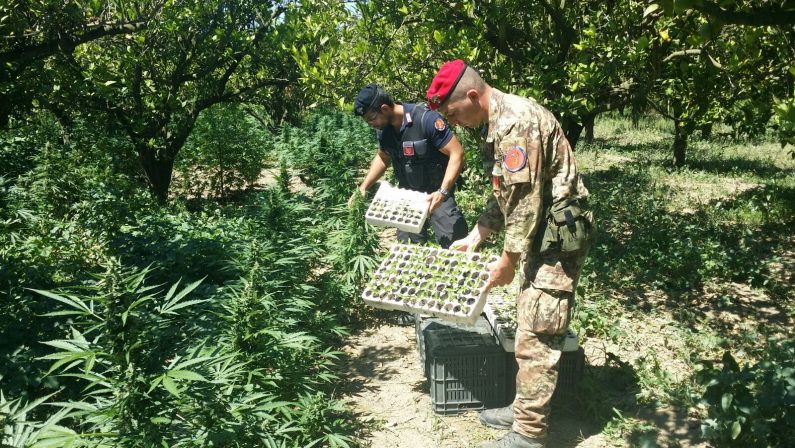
501,304
500,311
444,283
396,207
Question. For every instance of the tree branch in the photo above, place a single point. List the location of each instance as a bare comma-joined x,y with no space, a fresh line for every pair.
675,54
566,33
68,44
761,16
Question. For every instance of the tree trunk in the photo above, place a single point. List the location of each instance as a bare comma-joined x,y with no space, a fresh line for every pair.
221,174
680,144
588,120
706,131
572,128
158,171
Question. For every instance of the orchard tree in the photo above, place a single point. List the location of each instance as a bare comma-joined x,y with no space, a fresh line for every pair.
36,36
151,67
580,58
721,66
197,54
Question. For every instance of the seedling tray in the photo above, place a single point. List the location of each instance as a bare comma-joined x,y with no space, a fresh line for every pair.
500,311
448,284
399,208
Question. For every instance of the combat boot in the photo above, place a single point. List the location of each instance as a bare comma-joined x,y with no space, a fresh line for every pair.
514,440
500,418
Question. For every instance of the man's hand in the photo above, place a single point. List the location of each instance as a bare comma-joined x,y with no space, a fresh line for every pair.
468,243
471,242
358,192
434,199
503,271
462,245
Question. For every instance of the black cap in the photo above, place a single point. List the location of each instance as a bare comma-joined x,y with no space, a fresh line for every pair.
369,98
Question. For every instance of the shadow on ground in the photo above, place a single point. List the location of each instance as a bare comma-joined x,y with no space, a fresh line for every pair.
582,413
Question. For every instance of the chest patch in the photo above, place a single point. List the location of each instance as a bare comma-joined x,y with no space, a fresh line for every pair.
514,159
439,124
408,148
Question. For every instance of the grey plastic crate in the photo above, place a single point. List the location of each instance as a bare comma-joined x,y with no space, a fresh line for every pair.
425,324
570,370
467,371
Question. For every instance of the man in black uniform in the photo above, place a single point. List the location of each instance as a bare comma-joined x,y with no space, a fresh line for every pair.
425,155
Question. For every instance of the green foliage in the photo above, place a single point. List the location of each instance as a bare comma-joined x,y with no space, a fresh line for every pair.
246,358
643,243
328,151
354,245
785,120
152,367
226,151
20,431
152,68
752,405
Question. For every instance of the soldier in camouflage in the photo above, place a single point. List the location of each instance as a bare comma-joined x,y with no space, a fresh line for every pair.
532,167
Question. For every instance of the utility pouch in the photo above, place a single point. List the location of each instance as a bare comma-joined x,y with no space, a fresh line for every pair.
421,148
564,228
544,311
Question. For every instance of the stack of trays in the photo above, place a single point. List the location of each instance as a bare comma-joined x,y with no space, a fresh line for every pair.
500,310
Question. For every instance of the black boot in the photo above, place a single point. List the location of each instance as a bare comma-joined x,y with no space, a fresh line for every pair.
514,440
500,418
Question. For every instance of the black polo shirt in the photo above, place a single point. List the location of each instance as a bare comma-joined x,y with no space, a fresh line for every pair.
434,126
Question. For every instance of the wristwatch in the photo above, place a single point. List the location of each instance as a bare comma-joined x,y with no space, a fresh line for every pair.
445,192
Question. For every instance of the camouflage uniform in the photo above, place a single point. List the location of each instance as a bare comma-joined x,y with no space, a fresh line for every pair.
520,125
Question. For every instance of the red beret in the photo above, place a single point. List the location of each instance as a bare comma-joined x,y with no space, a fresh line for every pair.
444,82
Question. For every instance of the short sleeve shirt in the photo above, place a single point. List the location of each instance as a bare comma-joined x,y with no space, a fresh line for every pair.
434,126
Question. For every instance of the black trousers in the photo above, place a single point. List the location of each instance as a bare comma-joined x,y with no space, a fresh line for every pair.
448,225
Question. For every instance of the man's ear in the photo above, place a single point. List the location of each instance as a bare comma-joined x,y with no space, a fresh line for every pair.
384,109
473,95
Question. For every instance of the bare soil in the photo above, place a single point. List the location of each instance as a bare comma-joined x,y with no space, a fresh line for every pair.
388,390
386,387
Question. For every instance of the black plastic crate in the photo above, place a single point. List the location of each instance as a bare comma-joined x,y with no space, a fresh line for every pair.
570,372
467,371
424,325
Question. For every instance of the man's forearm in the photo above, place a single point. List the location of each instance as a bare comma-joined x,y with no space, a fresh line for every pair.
453,170
511,257
377,169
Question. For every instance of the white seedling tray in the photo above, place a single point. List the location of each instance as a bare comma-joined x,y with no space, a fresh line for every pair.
447,284
396,207
500,301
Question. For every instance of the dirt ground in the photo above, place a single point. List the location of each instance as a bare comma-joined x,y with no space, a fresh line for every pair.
389,392
387,389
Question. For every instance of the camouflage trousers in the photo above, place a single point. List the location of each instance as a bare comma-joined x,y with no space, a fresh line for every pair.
538,355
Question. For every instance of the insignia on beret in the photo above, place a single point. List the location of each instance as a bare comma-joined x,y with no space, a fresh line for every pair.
359,110
445,81
439,124
514,159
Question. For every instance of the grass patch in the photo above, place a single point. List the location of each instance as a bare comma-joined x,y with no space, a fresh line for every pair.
689,263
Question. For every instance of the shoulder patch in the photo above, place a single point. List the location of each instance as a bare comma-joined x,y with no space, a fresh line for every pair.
514,159
439,124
